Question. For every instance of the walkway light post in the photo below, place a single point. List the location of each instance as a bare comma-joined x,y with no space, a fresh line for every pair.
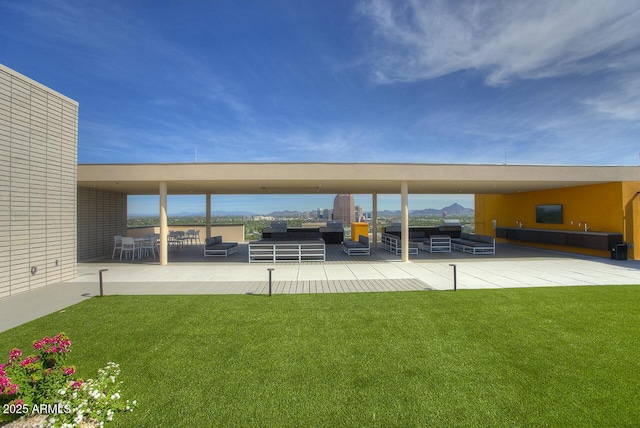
101,281
455,279
270,270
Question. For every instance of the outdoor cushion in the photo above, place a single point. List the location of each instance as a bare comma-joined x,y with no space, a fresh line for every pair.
226,245
213,241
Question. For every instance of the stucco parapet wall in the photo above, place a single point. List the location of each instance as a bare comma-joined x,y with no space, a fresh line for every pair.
345,177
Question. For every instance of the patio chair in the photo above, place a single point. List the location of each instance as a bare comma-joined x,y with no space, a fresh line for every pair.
117,245
176,240
128,246
191,236
149,243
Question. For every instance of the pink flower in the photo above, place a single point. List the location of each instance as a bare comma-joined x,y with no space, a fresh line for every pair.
60,343
29,360
11,389
4,382
69,370
14,355
77,384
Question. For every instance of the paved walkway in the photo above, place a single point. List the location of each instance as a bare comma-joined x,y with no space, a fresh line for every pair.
511,267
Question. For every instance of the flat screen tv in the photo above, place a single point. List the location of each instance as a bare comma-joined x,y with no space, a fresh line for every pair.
550,214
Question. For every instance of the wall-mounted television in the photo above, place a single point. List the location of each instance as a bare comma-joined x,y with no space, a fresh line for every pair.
550,214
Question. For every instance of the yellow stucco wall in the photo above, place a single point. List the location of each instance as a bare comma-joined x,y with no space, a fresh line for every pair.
610,207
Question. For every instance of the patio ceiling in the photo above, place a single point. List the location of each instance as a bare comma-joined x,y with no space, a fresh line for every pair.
334,178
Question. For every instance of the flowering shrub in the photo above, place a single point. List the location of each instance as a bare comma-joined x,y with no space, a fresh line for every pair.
44,384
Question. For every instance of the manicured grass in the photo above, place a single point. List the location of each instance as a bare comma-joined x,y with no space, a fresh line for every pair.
518,357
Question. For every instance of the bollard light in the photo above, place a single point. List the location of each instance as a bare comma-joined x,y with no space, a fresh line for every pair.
455,279
270,270
101,270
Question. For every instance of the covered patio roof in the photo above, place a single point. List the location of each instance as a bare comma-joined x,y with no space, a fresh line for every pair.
334,178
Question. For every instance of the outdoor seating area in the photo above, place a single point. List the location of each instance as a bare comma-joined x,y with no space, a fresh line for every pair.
393,244
177,239
131,248
360,247
474,244
214,246
436,244
147,246
265,250
331,233
145,249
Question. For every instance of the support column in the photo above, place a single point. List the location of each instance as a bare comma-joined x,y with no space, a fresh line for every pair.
632,232
374,220
404,201
164,228
208,220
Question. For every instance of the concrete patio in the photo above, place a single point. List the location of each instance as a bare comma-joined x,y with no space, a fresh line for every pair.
189,273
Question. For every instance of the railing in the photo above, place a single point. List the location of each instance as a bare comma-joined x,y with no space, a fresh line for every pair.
393,244
437,244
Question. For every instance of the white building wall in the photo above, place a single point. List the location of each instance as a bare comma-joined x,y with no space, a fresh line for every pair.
38,174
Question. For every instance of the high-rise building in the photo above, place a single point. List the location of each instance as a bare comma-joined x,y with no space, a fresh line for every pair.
344,209
326,214
359,216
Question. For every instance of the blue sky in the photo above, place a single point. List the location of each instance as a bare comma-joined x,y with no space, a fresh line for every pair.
522,82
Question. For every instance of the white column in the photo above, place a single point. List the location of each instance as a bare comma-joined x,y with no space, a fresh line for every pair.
164,228
374,221
404,201
208,220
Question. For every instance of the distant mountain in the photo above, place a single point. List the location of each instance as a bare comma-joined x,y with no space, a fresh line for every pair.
387,213
451,210
454,209
427,211
187,214
457,209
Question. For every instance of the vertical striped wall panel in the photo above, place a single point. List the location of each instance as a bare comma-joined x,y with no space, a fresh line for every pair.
38,167
101,216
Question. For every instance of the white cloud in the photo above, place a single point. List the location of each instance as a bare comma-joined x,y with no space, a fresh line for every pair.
505,40
621,102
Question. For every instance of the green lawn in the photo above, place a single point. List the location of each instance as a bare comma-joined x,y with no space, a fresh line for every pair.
516,357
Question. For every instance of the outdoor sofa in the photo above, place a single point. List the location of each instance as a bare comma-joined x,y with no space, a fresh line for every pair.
215,247
436,244
474,244
359,247
393,244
